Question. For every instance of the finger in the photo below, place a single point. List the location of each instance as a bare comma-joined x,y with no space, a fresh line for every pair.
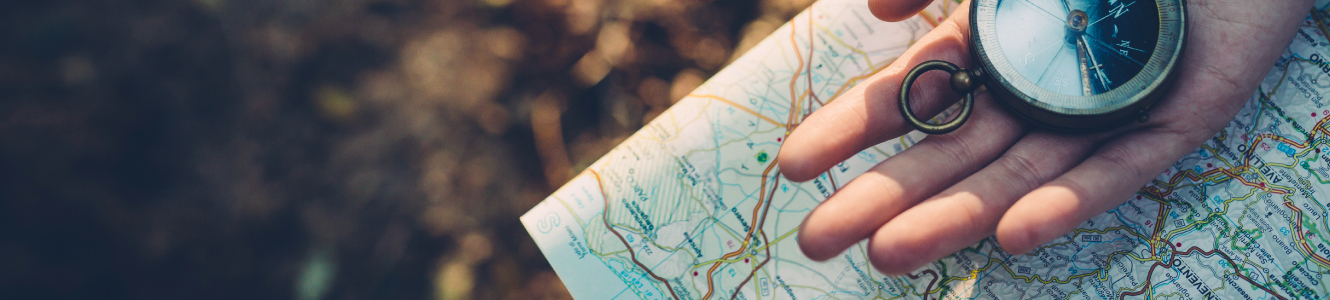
1104,180
868,114
896,10
873,198
969,211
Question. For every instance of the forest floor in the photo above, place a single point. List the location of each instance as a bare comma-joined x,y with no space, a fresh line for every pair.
346,149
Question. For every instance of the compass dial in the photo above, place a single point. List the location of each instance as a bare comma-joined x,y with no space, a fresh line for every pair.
1077,47
1074,58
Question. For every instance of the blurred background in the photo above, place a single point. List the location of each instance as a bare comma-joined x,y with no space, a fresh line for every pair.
339,149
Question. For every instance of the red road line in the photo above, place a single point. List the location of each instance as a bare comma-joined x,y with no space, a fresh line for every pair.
765,241
1189,251
929,287
1302,238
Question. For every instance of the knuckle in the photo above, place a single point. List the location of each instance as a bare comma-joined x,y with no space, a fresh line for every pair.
974,215
1023,170
887,187
952,148
1124,159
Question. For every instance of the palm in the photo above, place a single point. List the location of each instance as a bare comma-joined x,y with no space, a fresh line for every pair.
997,175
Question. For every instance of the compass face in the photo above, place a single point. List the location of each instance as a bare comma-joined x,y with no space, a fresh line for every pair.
1049,41
1078,57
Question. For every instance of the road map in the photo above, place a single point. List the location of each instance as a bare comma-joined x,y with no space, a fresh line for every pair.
694,207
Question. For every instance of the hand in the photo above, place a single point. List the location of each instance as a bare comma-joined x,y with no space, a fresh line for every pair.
998,175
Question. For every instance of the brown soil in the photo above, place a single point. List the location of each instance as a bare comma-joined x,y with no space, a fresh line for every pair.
297,149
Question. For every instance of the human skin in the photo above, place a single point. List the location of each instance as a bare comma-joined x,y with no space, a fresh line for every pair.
998,175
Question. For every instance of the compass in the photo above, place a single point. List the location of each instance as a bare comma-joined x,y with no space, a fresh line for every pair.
1067,65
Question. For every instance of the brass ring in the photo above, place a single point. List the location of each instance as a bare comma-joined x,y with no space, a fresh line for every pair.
922,126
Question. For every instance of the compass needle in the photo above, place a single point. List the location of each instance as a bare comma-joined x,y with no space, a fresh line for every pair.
1083,65
1098,67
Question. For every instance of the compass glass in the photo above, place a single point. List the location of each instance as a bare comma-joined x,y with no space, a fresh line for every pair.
1077,47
